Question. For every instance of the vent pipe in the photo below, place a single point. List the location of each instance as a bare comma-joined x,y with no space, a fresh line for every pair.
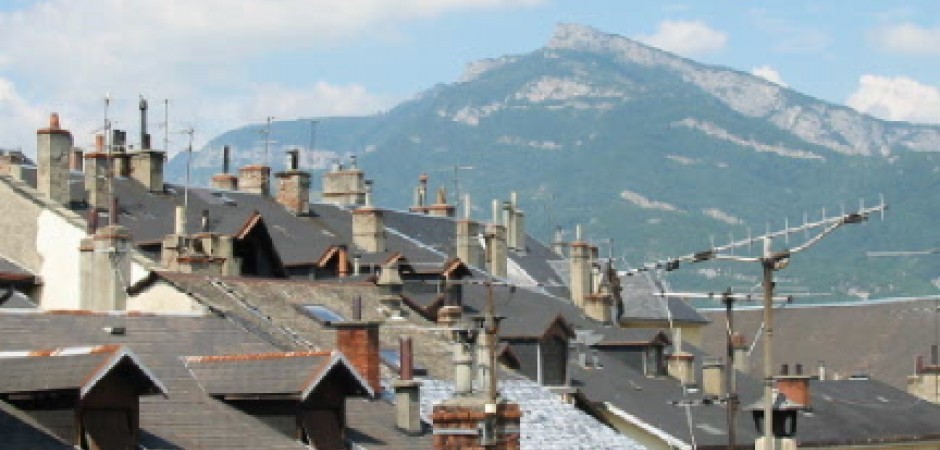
293,159
226,161
357,308
406,356
144,137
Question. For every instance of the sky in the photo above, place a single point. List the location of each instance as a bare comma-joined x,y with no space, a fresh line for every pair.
220,64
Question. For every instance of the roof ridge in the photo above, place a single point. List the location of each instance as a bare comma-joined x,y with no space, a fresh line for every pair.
254,356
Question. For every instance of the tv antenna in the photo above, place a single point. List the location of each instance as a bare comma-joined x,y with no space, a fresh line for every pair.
189,163
770,261
266,131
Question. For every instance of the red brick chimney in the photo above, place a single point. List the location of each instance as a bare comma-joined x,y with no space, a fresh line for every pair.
795,386
358,340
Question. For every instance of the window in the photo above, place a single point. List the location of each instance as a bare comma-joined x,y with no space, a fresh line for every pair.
321,314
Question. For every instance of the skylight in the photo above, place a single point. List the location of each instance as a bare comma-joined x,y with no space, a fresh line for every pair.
322,314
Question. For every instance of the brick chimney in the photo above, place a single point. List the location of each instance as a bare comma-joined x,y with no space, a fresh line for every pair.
407,391
342,186
293,186
795,386
472,423
368,227
358,340
105,269
581,279
96,175
255,179
53,147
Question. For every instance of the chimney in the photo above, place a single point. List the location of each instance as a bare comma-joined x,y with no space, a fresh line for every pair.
358,340
225,181
344,186
119,157
463,368
96,175
468,242
293,186
441,208
105,268
496,253
53,147
509,222
559,246
255,179
794,387
713,380
368,227
420,195
740,350
146,167
144,136
407,391
76,161
580,259
680,365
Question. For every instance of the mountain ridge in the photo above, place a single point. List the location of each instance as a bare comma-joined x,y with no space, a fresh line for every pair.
622,133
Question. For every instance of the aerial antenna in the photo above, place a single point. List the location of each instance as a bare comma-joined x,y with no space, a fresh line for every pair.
166,125
313,134
267,140
770,262
189,163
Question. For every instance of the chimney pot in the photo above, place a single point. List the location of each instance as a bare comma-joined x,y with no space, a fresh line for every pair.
798,369
226,155
357,308
92,221
54,121
406,355
785,369
919,365
934,355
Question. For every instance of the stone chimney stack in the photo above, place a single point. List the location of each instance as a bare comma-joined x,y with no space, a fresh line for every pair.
343,186
580,257
468,245
681,366
368,227
713,380
53,147
96,175
105,269
225,181
441,208
496,251
255,179
146,166
293,190
120,160
407,391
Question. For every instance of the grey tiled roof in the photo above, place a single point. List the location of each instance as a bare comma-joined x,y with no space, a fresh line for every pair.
547,422
187,418
72,368
639,303
294,373
21,432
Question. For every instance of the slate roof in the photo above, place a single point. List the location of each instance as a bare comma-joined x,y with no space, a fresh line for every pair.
292,373
71,368
186,418
20,431
639,303
885,337
848,412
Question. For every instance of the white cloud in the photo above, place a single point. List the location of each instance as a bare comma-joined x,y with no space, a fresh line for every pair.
686,37
769,73
908,38
196,53
897,98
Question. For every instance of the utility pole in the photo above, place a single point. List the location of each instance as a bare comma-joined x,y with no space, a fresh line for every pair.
770,262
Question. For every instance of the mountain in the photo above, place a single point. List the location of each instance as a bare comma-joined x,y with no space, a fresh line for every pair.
660,154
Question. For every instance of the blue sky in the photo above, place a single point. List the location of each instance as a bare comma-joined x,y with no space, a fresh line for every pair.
224,63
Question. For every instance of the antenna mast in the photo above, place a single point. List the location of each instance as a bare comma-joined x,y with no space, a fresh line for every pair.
770,262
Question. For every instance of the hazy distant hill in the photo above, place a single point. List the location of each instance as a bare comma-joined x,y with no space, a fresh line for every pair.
656,152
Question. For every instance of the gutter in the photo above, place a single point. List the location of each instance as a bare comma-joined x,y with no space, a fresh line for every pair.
665,437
